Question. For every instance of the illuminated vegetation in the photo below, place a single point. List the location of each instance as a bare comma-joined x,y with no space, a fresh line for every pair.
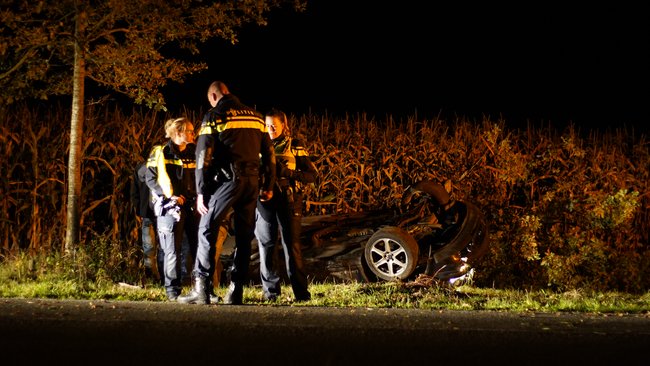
53,48
567,212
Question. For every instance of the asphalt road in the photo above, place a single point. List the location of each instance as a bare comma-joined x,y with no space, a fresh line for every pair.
37,331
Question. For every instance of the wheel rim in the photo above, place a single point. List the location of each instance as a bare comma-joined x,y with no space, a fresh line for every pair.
389,257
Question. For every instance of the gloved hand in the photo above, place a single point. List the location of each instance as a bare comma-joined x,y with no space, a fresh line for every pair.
168,206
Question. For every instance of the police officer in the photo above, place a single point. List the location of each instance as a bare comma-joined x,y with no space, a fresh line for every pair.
231,141
284,211
170,177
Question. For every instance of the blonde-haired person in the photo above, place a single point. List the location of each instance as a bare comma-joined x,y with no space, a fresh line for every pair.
283,212
170,177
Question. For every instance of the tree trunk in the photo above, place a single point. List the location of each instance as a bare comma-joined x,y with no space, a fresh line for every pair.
76,133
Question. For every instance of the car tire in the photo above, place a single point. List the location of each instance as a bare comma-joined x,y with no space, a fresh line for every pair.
391,254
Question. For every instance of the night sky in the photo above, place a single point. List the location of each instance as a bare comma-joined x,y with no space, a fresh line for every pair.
528,63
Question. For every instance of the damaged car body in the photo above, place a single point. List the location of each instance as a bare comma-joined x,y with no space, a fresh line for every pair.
429,233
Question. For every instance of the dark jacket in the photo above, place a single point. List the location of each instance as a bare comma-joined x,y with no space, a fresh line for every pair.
140,192
231,140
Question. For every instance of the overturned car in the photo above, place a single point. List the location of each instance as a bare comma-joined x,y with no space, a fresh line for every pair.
429,234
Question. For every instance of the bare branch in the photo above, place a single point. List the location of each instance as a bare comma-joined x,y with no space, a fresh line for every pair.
28,55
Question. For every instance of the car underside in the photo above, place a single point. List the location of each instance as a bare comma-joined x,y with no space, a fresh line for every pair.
429,233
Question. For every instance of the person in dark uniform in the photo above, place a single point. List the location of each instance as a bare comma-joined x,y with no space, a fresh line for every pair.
284,211
140,198
231,140
171,179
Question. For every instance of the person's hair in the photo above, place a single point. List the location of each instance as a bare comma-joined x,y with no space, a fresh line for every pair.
175,126
218,86
276,113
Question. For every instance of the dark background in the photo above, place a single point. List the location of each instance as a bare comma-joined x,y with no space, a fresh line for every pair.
527,64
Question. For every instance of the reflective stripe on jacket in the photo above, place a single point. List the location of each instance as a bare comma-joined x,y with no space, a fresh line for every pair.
232,136
170,172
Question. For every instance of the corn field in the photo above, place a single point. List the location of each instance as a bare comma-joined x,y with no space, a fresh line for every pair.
566,210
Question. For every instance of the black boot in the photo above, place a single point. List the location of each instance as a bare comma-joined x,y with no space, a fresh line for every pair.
198,295
214,298
235,294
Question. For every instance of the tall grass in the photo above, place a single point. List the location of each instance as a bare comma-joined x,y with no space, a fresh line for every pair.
566,210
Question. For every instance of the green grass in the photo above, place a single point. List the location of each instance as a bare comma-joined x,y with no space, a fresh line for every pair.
366,295
87,277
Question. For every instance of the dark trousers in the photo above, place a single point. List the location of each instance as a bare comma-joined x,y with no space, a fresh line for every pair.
240,194
170,235
280,216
